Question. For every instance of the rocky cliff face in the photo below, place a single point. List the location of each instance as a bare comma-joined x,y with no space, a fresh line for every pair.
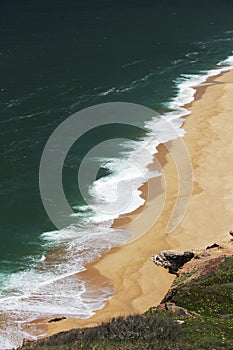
172,260
206,262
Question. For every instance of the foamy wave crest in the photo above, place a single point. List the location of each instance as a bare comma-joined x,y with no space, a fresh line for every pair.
119,193
228,62
131,63
52,285
186,84
122,89
124,176
120,189
12,336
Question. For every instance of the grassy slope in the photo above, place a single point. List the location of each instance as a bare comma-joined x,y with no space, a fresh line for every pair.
209,299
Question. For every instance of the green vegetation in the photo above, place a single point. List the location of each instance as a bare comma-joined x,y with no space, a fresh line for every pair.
209,295
209,300
120,333
184,277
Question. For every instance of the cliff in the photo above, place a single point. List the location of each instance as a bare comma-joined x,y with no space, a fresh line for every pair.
196,313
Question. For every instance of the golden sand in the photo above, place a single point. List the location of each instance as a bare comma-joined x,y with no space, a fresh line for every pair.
139,284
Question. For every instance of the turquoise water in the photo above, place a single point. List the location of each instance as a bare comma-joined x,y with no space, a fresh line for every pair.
56,58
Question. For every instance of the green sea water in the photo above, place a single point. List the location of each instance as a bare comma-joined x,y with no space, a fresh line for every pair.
58,57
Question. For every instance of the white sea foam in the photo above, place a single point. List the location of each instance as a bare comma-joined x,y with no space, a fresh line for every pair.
118,193
49,287
131,63
12,336
122,89
227,62
187,82
131,171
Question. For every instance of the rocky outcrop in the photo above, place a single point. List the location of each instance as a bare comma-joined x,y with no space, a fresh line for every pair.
179,311
57,319
215,245
172,260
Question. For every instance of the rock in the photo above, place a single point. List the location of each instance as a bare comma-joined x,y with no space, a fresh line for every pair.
57,319
179,321
26,343
215,245
225,315
231,232
172,260
172,307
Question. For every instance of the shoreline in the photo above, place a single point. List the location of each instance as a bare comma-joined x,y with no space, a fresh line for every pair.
201,273
124,220
139,284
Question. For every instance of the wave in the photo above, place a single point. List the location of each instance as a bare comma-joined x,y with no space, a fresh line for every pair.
226,64
131,63
51,286
131,171
122,89
187,83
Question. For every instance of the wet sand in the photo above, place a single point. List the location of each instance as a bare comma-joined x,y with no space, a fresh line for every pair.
139,284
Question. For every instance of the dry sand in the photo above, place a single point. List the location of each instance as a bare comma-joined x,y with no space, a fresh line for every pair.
138,283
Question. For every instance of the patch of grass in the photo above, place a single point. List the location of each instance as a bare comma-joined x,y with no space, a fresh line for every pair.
128,332
184,277
210,295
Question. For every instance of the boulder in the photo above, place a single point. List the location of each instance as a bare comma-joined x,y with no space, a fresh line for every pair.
179,311
215,245
57,319
172,260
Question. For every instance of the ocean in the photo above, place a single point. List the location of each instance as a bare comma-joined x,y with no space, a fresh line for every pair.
58,57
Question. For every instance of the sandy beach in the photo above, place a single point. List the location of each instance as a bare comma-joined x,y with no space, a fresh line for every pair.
139,284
